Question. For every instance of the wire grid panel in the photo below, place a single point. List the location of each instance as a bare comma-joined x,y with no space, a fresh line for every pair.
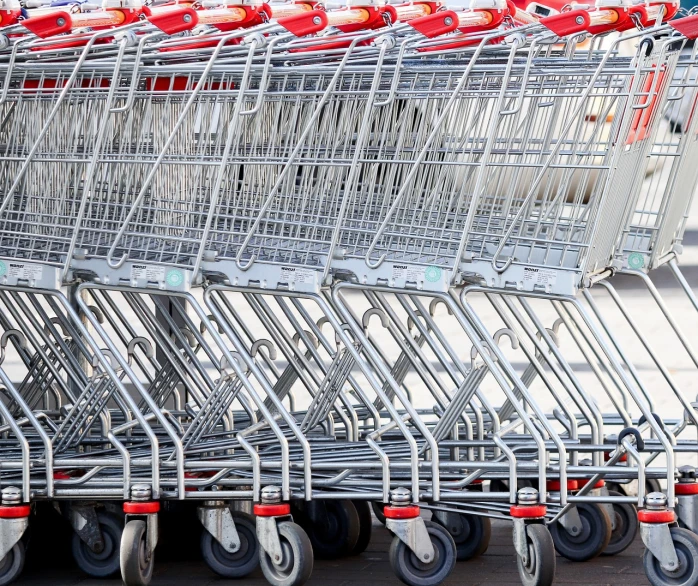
48,133
458,162
667,191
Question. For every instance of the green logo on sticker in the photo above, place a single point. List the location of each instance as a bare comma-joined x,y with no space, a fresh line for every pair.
636,260
3,269
174,278
432,274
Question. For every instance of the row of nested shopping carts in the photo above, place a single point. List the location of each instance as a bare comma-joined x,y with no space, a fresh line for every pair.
283,265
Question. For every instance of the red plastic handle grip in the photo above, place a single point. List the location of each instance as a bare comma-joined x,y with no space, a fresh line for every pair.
639,12
174,21
567,23
687,26
48,25
437,24
304,24
622,17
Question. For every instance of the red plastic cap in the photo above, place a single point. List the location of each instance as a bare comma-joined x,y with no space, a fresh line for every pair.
528,511
646,516
437,24
688,26
280,510
307,23
174,21
401,512
48,25
554,485
567,23
686,488
14,512
141,508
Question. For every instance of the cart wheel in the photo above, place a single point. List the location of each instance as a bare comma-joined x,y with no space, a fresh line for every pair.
471,535
297,561
12,564
539,568
378,511
686,544
233,565
590,541
136,561
626,527
338,534
104,563
616,487
652,485
363,510
414,572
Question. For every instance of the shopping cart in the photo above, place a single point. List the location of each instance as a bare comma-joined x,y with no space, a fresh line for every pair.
326,185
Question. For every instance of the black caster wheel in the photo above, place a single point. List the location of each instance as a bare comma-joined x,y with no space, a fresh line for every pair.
135,559
592,539
233,565
626,528
103,563
363,510
616,487
12,564
414,572
686,544
297,562
471,534
539,568
378,511
337,533
652,485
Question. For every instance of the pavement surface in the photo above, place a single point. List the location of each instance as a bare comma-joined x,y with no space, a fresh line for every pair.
372,568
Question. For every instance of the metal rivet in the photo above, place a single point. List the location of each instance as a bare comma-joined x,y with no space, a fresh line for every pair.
317,20
448,21
579,20
186,18
60,21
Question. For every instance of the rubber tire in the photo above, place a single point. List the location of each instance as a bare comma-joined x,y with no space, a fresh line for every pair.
412,572
297,564
472,538
592,539
540,570
686,544
135,571
363,510
652,485
233,565
12,564
626,529
378,511
107,562
336,537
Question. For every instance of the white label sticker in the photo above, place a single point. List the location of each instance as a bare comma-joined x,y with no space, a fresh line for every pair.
408,273
24,271
543,277
149,273
296,275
